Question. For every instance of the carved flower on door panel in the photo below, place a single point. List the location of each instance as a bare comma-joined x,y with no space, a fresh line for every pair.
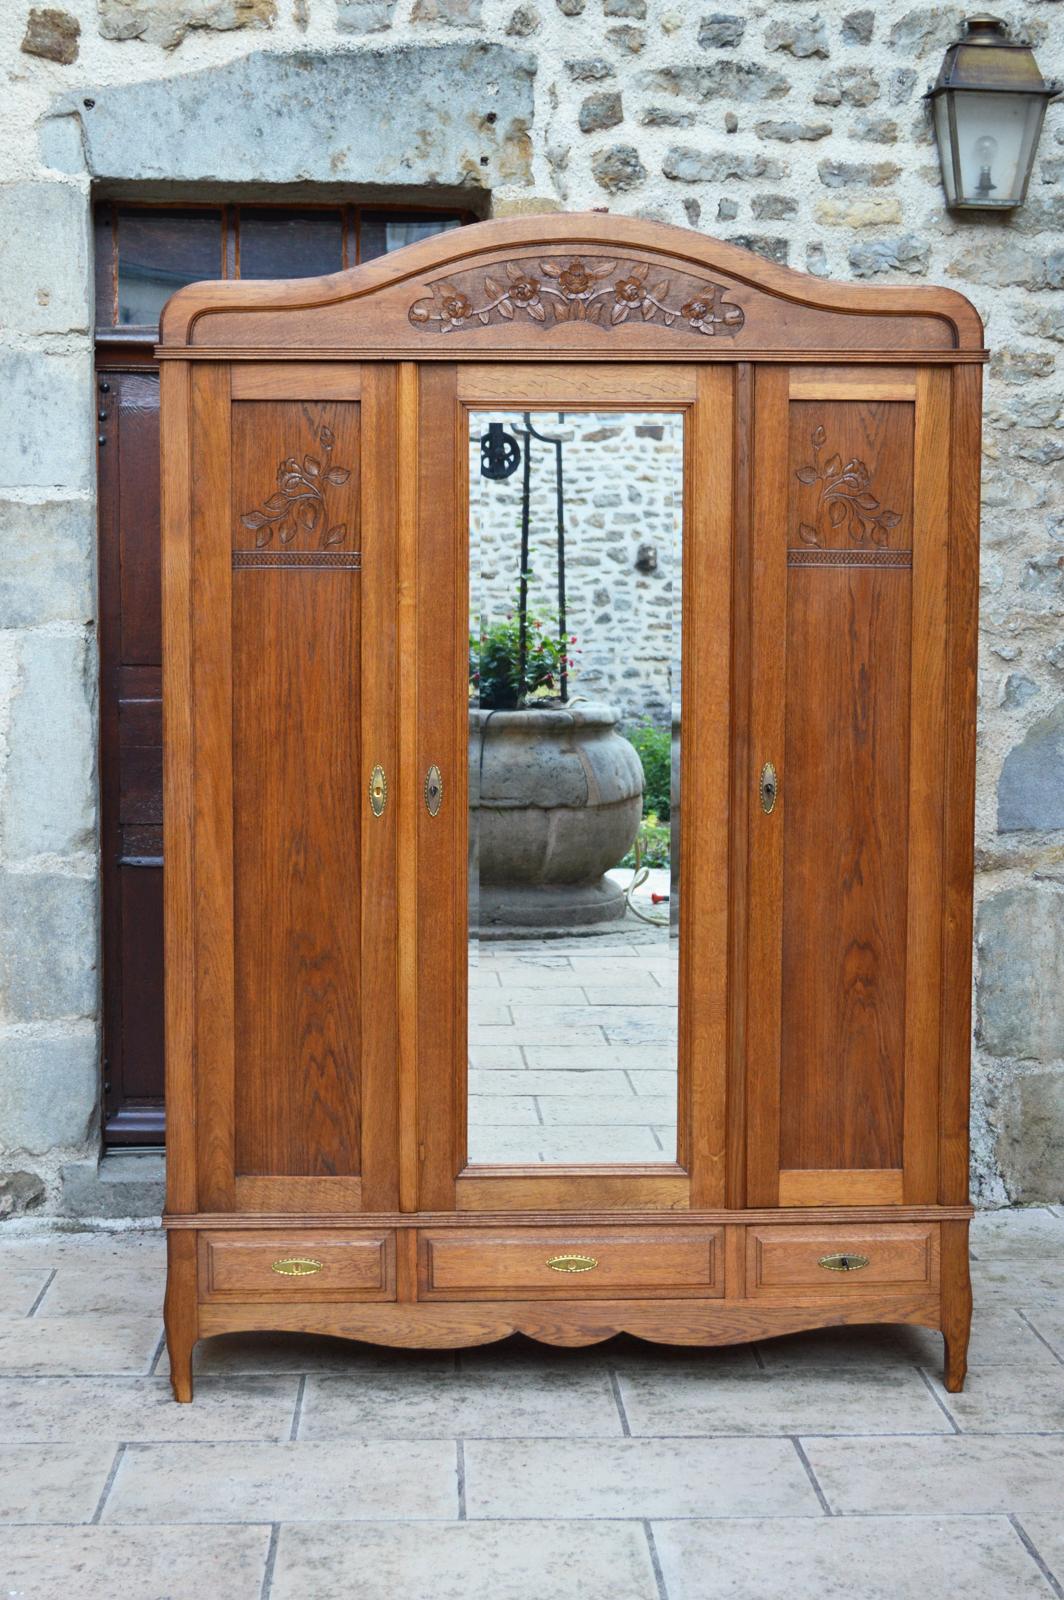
845,497
300,500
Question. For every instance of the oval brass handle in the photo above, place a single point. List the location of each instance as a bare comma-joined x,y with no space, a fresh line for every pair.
769,787
572,1263
378,791
433,791
297,1266
844,1261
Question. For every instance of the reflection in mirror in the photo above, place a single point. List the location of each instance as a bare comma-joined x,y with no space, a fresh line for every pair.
574,721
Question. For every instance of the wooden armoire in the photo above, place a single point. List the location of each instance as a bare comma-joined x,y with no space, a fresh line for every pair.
788,468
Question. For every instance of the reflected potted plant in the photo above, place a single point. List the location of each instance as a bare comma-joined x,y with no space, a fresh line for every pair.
556,790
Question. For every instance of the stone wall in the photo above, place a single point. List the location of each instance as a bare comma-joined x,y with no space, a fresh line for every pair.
796,130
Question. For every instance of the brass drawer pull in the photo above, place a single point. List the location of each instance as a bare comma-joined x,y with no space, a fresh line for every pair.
843,1262
433,791
572,1263
297,1266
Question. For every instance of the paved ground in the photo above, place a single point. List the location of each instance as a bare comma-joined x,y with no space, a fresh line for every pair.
820,1467
572,1048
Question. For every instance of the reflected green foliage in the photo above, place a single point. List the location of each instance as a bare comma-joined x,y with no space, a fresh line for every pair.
653,745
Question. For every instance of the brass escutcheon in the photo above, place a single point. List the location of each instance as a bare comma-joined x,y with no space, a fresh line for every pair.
297,1266
769,787
433,791
843,1262
572,1263
378,791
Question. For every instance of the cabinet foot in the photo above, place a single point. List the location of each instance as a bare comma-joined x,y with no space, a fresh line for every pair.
181,1311
956,1303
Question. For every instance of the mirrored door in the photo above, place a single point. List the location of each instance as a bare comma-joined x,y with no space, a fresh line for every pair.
575,756
572,884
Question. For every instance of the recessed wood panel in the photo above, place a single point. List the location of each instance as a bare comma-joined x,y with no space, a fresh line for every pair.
297,812
846,781
573,1262
809,1260
299,1266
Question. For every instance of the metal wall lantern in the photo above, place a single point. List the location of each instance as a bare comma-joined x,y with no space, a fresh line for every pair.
988,102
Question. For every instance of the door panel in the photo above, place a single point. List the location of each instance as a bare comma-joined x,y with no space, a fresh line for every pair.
294,705
848,631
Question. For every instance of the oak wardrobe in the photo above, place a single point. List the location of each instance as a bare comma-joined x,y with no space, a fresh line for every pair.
569,686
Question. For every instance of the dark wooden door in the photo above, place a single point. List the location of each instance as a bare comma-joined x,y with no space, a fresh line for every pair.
131,754
848,703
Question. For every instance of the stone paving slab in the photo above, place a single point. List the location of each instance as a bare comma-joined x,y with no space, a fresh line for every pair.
466,1561
102,1344
53,1482
852,1558
142,1408
134,1563
940,1477
20,1289
1008,1400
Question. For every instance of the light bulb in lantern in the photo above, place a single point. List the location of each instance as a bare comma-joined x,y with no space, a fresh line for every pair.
984,150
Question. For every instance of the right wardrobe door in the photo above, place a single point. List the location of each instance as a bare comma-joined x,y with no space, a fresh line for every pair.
849,637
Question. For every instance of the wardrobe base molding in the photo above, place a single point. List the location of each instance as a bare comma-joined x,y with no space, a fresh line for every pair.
761,1282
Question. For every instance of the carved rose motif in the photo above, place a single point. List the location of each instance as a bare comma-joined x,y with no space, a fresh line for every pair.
300,500
844,497
576,289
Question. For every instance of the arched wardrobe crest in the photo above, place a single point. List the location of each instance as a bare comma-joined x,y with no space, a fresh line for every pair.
439,1065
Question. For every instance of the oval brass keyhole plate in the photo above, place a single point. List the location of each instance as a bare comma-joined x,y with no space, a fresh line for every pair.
297,1266
433,791
572,1263
769,787
844,1261
378,791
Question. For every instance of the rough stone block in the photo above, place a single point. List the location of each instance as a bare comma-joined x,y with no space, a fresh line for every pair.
49,771
1031,786
45,420
1030,1147
799,36
720,30
47,946
857,174
637,9
688,164
45,280
618,168
524,22
447,13
167,22
600,111
48,1091
52,35
926,30
718,80
859,211
1020,986
852,86
19,1192
907,254
46,574
364,16
789,132
365,117
858,26
589,69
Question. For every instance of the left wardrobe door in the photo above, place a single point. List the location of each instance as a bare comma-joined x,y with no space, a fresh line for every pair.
281,769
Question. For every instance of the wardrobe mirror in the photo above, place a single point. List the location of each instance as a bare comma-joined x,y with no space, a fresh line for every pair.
574,785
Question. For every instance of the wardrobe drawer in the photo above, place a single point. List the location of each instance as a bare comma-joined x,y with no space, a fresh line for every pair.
786,1261
278,1265
569,1263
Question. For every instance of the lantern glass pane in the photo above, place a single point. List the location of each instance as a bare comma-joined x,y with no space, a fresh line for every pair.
995,136
944,139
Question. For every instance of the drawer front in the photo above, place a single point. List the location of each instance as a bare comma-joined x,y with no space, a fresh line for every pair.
789,1261
279,1265
570,1264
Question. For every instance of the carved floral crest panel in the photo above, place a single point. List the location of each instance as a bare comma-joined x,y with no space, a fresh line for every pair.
295,483
607,292
851,477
